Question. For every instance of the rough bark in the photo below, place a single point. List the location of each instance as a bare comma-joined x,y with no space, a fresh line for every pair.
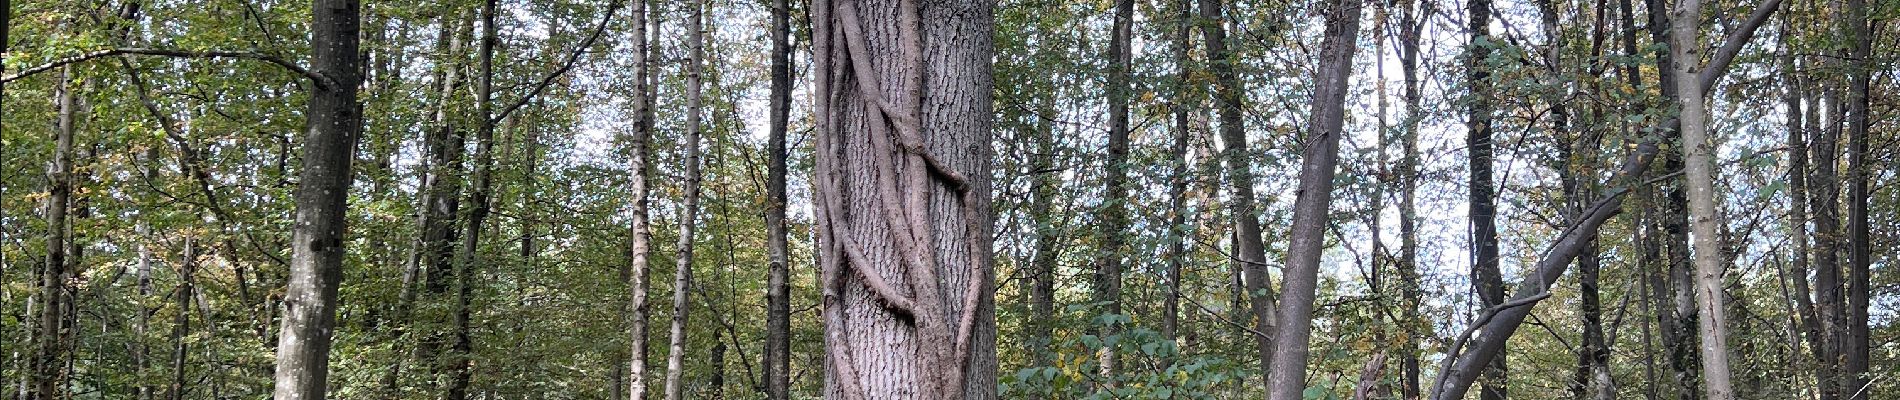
1311,208
316,264
778,323
1250,254
891,71
640,236
683,260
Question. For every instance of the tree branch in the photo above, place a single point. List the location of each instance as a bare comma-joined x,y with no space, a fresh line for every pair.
572,58
1718,63
320,80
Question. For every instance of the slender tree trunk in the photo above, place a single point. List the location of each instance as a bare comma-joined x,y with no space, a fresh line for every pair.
1043,188
142,322
50,355
1311,208
1698,149
638,230
1798,211
316,264
181,323
892,71
683,275
468,255
778,325
1178,180
1824,201
1679,323
1249,247
1859,276
433,260
1410,29
1486,278
1114,210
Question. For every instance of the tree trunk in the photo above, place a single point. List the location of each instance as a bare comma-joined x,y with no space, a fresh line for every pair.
1486,279
468,255
683,274
639,233
181,323
1859,277
893,70
50,358
1043,188
316,264
778,325
1411,26
1698,150
1250,254
1114,210
1287,377
1178,180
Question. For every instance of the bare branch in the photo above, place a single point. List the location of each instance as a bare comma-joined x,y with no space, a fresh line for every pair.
320,80
599,28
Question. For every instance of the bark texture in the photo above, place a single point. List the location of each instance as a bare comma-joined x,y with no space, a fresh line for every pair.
683,260
640,235
316,261
902,181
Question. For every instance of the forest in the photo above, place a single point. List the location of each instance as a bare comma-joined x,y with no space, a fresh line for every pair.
949,199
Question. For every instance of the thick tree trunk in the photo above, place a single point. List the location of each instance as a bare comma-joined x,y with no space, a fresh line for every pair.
316,264
50,358
778,325
683,261
640,240
1114,210
1311,208
900,207
1250,254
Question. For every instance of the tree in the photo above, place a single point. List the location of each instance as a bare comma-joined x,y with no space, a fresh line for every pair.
1250,250
1318,162
316,263
1684,49
683,272
778,326
918,215
639,233
49,361
1486,279
1114,210
1410,28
